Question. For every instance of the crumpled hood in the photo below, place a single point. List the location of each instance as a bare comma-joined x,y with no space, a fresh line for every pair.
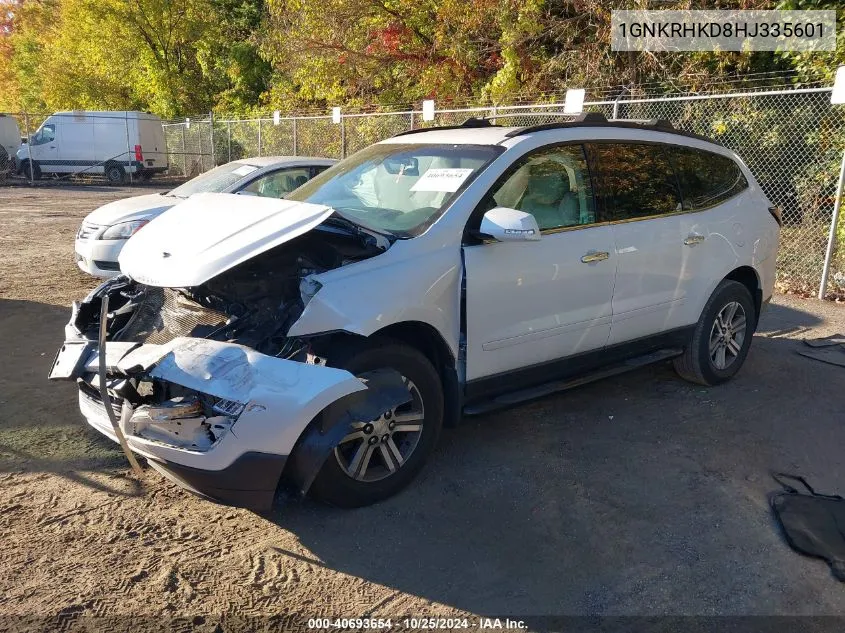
210,233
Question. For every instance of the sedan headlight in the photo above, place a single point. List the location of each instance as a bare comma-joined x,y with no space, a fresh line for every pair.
123,231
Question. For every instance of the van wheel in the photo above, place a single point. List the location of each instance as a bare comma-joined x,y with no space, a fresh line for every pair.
146,176
25,170
115,174
722,336
378,458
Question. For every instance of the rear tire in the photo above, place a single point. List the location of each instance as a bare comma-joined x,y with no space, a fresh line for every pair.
336,482
115,173
722,336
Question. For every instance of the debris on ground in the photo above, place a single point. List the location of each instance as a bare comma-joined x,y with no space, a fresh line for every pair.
811,522
830,349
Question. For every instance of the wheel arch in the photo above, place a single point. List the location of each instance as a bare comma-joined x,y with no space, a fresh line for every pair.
423,337
748,277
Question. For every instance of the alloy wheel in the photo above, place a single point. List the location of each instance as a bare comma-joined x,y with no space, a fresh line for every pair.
727,335
377,449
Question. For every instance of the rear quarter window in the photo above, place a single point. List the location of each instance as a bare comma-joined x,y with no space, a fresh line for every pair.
706,179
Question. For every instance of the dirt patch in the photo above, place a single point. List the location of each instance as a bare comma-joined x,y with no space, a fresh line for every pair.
636,495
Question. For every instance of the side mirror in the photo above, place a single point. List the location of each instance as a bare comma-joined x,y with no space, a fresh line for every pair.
509,225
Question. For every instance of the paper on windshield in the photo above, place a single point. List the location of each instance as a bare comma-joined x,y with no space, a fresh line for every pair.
244,170
442,179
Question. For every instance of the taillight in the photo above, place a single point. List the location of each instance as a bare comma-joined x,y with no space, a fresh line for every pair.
776,214
139,155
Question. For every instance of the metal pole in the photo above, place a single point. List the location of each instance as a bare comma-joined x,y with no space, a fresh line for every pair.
259,136
199,140
213,149
834,222
616,108
229,140
28,147
184,154
295,140
129,151
411,127
342,136
493,112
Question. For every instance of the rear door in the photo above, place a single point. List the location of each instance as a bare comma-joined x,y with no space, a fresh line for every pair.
152,142
529,303
643,203
714,224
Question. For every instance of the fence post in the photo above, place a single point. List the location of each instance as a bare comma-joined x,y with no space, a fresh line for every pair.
213,150
129,151
411,127
342,136
259,136
229,141
834,221
295,145
184,153
493,111
202,154
28,147
616,108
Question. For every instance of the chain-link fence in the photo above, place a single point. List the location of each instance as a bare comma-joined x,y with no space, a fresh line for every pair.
793,141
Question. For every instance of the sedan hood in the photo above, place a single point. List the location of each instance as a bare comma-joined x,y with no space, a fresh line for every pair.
133,208
210,233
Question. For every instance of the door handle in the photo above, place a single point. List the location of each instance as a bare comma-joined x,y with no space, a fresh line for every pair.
599,256
693,239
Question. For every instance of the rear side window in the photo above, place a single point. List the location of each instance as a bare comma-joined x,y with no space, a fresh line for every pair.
637,180
707,179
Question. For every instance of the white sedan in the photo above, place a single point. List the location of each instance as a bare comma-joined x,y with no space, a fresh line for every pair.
105,230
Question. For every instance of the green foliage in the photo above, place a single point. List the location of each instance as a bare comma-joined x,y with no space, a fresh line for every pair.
178,57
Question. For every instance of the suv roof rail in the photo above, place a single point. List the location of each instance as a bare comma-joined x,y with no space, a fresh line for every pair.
471,122
585,119
595,119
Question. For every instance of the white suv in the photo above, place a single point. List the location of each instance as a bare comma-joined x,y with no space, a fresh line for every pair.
326,339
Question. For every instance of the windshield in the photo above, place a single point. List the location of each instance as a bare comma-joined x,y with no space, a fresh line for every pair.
397,188
215,181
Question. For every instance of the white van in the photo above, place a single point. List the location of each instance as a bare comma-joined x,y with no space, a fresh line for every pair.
10,141
114,144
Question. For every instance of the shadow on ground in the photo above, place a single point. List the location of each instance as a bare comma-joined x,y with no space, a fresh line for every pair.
41,429
638,494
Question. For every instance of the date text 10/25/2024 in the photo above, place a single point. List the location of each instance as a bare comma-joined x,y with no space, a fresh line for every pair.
420,623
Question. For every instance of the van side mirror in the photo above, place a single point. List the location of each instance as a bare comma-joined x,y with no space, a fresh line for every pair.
509,225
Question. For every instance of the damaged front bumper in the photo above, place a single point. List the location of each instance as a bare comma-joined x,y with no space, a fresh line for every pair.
222,419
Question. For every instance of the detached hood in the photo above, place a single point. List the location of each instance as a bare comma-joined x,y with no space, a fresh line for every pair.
210,233
132,209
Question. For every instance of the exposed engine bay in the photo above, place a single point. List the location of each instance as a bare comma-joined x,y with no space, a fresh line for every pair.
253,304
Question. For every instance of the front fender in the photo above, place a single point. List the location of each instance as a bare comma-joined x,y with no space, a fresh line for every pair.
364,299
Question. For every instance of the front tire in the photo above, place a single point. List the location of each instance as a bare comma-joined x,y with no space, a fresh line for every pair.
722,336
378,458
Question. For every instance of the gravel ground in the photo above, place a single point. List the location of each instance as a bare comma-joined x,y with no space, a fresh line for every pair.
638,495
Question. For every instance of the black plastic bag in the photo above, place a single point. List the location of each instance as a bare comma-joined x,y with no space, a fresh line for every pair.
813,524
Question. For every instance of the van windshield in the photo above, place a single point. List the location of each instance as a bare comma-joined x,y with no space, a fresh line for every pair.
399,189
217,180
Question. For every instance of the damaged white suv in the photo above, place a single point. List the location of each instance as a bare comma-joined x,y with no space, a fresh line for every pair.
326,339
